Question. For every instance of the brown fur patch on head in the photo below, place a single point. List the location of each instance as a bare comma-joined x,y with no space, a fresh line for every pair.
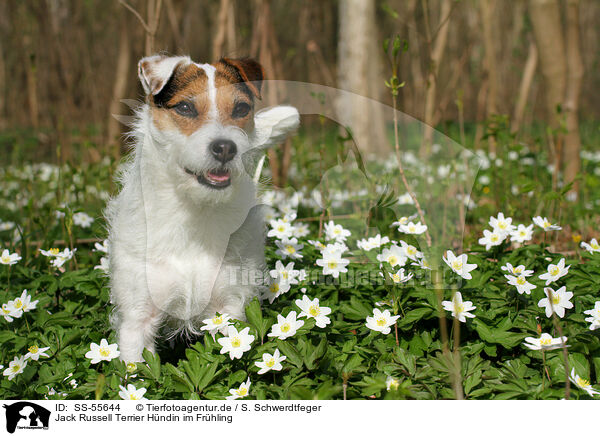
189,84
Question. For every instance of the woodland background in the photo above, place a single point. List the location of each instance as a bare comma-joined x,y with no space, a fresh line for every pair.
66,64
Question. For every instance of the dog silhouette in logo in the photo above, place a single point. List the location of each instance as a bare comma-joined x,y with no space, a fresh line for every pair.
26,414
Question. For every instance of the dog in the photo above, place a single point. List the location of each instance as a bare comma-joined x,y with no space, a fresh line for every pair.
186,231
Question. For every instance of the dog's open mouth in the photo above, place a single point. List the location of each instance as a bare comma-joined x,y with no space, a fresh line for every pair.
218,178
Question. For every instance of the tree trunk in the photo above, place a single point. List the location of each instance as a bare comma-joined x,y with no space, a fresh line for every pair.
526,80
359,72
491,69
545,17
575,72
119,88
221,34
437,53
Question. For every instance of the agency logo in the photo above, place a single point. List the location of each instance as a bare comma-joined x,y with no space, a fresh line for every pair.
26,415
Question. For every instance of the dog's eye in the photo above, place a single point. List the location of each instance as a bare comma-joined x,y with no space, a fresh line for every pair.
240,110
186,109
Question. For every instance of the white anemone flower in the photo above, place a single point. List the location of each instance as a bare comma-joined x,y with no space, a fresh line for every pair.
381,321
104,351
413,228
460,309
270,362
400,277
592,247
519,270
6,258
101,247
333,263
335,232
543,223
236,343
275,289
312,309
285,327
217,323
289,248
520,281
300,230
391,383
24,302
10,312
371,243
285,274
556,301
82,219
280,229
62,257
15,367
594,317
502,225
544,342
410,251
522,233
131,393
582,384
35,352
555,272
240,392
491,239
394,255
459,264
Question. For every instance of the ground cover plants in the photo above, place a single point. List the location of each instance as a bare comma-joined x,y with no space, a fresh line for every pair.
359,307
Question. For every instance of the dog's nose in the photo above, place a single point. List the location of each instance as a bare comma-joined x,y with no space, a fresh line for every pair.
223,150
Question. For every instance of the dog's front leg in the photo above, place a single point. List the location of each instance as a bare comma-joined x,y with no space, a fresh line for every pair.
136,331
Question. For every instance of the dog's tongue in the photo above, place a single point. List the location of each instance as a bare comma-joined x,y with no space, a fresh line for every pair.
218,175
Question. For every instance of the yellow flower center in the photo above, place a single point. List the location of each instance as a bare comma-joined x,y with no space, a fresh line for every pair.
337,231
392,260
274,288
521,280
545,224
284,275
502,224
16,368
133,397
519,269
555,299
554,270
494,238
458,308
412,229
236,342
314,310
595,245
545,341
411,250
582,383
5,259
33,349
131,367
332,264
290,249
285,328
457,264
281,229
522,233
396,277
54,251
18,303
381,322
242,392
270,363
104,352
217,320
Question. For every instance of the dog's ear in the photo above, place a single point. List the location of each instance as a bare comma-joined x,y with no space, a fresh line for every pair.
155,71
273,124
249,71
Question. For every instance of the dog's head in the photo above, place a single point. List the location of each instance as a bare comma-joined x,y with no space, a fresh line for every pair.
202,120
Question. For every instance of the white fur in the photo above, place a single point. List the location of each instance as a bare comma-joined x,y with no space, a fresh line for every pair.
181,251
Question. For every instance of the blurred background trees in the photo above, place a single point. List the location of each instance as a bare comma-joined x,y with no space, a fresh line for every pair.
66,64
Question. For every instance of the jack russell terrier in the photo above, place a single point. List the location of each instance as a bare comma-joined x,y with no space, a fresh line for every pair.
186,232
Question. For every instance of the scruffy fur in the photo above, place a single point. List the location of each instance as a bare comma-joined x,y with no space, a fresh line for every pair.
180,250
